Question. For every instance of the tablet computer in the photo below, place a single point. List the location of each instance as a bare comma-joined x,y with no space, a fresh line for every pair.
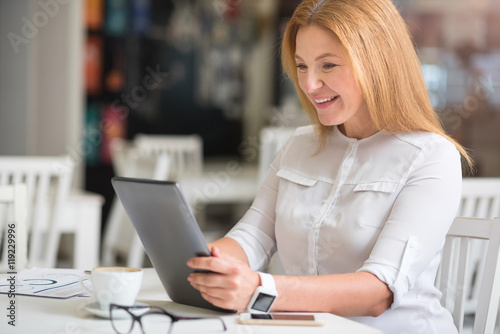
169,232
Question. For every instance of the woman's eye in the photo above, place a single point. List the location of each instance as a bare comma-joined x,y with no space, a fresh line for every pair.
302,67
328,66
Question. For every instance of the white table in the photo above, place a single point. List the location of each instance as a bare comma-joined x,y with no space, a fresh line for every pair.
57,316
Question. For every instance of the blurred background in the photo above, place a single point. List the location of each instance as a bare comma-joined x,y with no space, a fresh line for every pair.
75,74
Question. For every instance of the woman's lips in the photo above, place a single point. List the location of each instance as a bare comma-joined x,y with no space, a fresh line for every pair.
325,102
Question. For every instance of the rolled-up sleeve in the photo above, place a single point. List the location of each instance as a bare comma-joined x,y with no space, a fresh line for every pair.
415,231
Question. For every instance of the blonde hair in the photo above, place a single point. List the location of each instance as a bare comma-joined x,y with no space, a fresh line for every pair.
383,60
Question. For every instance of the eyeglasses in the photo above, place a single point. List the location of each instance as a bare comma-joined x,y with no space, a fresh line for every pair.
150,318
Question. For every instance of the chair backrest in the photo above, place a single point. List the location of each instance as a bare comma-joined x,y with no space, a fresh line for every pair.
48,181
13,228
185,152
271,140
119,150
480,197
452,281
129,161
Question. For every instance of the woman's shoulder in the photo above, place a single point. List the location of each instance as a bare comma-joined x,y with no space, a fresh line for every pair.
305,131
302,136
432,149
425,140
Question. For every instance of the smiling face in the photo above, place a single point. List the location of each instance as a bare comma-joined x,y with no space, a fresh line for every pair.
326,78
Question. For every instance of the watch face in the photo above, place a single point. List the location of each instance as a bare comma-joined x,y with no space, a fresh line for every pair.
263,302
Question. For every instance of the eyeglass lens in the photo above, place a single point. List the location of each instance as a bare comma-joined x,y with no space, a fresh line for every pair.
156,323
123,321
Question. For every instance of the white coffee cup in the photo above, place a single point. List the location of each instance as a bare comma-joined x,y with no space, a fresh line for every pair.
113,285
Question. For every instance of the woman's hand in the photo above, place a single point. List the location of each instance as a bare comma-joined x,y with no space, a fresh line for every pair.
230,284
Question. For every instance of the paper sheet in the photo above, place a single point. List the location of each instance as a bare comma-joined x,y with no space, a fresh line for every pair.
51,283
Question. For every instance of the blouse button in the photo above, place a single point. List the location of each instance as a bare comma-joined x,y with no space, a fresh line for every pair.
312,271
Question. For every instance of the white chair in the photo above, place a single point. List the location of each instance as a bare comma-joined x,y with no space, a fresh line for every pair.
185,152
81,219
129,161
480,199
48,180
13,227
453,276
120,238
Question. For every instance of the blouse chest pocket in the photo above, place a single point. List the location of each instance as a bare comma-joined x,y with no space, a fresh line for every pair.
300,197
376,198
296,178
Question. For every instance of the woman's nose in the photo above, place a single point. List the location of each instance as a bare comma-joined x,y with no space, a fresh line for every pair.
313,82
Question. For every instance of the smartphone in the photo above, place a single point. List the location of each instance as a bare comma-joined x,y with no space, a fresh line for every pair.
283,319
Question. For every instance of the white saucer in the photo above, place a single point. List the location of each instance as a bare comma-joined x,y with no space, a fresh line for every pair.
94,308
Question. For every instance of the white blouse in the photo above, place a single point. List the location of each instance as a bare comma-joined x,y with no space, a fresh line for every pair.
382,204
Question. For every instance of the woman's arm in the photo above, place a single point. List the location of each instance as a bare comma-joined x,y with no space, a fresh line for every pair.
348,295
356,294
230,246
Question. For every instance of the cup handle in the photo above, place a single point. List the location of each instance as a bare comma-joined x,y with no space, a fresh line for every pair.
81,279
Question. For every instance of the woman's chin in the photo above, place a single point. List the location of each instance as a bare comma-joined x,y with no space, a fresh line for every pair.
328,121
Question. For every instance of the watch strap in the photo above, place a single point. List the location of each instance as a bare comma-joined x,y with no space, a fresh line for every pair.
267,281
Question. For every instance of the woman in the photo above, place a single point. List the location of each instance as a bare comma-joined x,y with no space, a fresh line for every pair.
359,203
